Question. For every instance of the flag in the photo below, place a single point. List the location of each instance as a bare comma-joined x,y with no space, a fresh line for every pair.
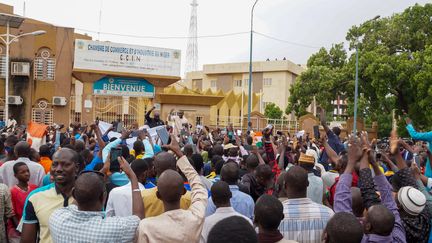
36,134
257,137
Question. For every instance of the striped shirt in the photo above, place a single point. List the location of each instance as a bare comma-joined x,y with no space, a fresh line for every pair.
72,225
304,220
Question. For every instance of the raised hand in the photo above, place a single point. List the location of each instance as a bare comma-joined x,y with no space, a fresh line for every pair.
365,142
174,146
415,170
323,117
408,120
125,167
394,142
354,149
126,134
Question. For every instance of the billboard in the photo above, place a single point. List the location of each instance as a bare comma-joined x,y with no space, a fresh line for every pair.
123,87
98,56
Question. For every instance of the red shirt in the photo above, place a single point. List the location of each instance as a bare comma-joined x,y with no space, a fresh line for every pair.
18,197
332,189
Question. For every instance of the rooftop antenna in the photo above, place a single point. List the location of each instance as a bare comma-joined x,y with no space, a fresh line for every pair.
100,19
192,44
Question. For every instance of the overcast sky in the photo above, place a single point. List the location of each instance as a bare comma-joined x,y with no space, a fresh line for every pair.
313,23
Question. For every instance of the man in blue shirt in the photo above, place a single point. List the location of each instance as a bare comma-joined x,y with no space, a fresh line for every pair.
421,136
241,202
118,178
333,140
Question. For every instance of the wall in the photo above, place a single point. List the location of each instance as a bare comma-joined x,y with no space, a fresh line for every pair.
190,112
278,91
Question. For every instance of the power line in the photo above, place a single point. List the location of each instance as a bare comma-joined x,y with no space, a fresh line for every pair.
201,36
285,41
164,37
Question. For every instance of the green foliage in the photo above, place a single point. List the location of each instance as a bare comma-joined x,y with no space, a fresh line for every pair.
395,70
273,111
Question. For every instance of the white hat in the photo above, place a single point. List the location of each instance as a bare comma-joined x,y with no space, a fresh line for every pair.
312,153
412,200
229,146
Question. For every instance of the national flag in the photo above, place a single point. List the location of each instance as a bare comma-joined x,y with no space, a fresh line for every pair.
36,134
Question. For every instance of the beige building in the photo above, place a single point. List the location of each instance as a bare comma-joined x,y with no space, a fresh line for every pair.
271,82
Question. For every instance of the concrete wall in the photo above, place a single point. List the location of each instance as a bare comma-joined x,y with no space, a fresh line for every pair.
190,112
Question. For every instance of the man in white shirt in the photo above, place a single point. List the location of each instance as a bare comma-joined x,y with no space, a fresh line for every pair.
22,152
221,195
11,124
120,198
178,122
315,190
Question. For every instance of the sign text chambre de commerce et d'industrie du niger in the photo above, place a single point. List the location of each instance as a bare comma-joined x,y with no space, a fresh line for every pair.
123,58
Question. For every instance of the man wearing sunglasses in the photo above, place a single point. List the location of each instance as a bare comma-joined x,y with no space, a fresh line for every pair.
86,221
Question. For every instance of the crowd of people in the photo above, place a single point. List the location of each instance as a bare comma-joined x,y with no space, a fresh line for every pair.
215,186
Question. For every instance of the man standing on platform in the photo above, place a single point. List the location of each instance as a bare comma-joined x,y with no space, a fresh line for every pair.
155,121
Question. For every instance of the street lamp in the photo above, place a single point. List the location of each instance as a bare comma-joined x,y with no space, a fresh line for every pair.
11,21
356,82
250,70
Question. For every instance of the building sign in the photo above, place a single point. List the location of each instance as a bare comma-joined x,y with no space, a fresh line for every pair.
98,56
123,87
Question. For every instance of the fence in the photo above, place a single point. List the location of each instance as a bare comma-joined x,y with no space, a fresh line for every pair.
306,123
258,123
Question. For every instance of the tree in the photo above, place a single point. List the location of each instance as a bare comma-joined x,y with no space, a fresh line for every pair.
273,111
395,70
324,78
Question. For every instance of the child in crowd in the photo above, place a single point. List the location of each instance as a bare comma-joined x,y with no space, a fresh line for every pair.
19,194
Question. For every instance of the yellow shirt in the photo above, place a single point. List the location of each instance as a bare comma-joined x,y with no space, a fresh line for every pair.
140,156
41,203
153,206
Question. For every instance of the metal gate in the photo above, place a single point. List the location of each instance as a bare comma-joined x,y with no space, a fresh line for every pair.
126,109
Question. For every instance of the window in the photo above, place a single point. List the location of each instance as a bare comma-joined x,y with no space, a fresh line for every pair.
267,81
43,116
44,66
198,120
246,81
238,83
213,83
3,66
